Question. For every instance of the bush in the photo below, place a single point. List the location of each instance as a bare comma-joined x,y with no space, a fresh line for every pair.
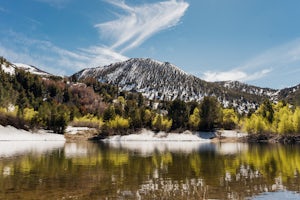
88,120
161,123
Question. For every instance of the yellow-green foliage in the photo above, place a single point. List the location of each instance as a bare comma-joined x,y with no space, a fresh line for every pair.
296,120
121,100
118,158
161,123
11,110
284,120
194,119
147,116
118,123
255,124
29,113
88,120
285,124
230,118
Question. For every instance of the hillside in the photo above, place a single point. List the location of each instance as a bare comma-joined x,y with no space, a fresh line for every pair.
164,81
29,100
10,68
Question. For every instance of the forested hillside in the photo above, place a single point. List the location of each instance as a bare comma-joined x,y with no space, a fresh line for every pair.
31,101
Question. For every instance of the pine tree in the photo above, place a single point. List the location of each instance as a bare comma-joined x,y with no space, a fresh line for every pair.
210,113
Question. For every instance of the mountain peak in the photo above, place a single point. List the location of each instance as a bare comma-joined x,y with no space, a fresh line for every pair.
164,81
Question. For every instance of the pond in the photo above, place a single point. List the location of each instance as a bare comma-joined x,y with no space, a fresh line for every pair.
148,170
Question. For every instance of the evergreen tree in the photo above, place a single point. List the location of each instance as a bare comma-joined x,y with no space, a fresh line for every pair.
266,111
109,114
210,113
178,112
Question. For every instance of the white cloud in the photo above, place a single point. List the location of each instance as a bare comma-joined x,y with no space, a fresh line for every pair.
141,22
52,58
234,75
282,61
127,32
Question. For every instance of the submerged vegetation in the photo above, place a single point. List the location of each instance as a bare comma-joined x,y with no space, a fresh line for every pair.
30,101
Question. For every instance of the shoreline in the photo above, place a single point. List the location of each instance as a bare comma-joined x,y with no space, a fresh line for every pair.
75,134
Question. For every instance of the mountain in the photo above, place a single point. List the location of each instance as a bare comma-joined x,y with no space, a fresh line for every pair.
10,68
165,81
237,86
291,95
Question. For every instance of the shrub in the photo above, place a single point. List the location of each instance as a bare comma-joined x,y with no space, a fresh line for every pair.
88,120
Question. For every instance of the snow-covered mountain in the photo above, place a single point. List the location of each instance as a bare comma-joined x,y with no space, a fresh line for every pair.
237,86
164,81
11,67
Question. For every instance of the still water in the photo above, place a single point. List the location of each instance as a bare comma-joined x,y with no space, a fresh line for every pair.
148,170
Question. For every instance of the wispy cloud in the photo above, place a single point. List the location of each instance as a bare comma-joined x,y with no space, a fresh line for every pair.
126,32
276,57
281,60
52,58
141,22
234,75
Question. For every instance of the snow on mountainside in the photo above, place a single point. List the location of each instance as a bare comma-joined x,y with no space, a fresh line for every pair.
291,95
164,81
250,89
156,80
31,69
11,67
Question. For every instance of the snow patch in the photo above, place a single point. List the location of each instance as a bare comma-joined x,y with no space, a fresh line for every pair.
10,133
30,69
8,69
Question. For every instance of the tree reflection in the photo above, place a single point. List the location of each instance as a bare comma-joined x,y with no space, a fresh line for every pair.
96,170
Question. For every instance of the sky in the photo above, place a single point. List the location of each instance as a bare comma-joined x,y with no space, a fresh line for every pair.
252,41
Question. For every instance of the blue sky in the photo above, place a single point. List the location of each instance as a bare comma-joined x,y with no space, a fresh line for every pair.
253,41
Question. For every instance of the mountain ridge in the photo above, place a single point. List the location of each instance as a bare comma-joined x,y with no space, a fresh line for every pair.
165,81
158,80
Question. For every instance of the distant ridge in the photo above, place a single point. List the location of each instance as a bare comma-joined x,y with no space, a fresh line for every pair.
165,81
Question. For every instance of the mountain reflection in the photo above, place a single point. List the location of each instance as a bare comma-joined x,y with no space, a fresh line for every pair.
151,170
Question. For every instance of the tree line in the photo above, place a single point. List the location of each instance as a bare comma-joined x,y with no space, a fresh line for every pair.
54,102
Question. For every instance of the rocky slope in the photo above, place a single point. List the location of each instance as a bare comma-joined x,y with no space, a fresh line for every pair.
164,81
10,68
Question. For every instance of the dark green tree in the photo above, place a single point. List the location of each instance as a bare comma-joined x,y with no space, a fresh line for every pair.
210,113
109,114
178,112
266,110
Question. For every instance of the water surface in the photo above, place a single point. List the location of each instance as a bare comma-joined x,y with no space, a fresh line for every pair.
149,170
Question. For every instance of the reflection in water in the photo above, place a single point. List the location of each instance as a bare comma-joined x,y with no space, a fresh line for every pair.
72,150
278,195
151,170
147,148
14,148
232,148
